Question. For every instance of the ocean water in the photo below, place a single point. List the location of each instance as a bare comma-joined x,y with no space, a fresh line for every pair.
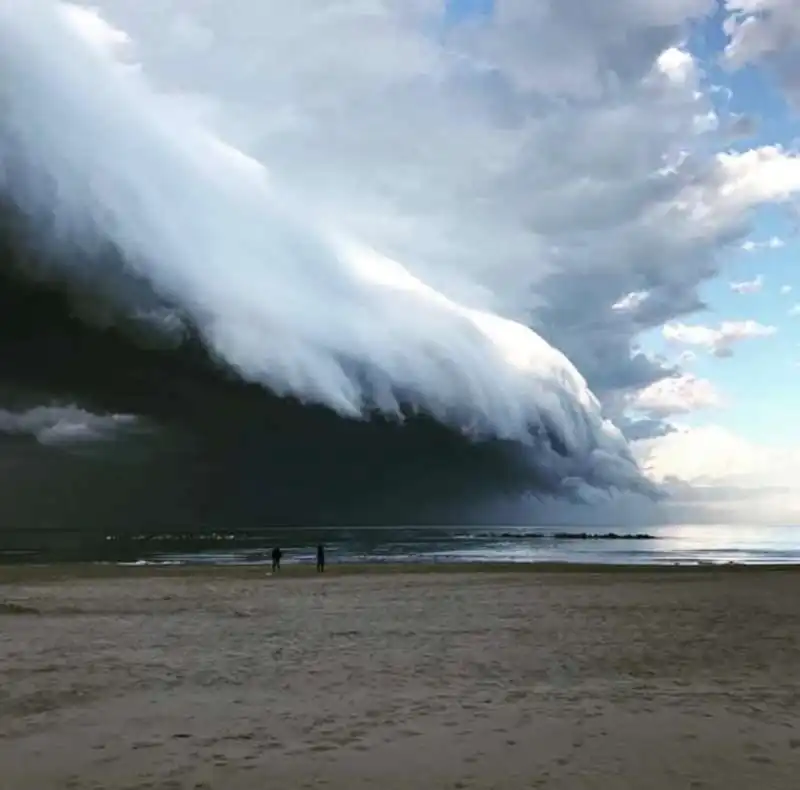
666,545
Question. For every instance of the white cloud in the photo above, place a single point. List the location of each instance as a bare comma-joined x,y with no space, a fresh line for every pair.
719,341
94,29
768,173
677,65
769,31
794,310
713,469
676,395
748,286
710,454
630,302
773,243
786,289
722,89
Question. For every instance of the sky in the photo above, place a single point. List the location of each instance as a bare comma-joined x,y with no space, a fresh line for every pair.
731,410
623,177
761,278
758,386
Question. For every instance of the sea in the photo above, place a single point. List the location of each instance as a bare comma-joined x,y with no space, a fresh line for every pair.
686,544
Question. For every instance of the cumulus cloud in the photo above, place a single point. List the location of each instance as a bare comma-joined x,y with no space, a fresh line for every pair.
748,286
581,196
717,341
765,174
675,395
766,30
795,310
786,289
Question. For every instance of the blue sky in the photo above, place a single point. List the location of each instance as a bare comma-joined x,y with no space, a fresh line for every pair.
760,384
462,9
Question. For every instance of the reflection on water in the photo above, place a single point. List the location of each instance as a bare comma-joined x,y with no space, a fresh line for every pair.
671,544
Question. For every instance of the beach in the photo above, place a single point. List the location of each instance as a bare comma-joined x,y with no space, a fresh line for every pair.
399,677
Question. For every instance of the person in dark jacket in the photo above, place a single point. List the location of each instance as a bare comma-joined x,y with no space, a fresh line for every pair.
320,558
276,559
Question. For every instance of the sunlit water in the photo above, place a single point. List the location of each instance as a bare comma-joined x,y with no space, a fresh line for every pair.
684,544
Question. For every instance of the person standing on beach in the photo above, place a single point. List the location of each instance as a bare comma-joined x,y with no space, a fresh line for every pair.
320,558
276,559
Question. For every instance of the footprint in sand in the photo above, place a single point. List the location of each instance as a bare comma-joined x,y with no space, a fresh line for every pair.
146,744
323,747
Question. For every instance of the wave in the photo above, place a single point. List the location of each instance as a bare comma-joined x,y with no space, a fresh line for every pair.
265,365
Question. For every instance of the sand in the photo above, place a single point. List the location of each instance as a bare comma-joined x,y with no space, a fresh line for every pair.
238,680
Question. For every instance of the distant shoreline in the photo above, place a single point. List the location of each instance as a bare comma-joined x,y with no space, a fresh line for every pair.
22,573
242,536
34,548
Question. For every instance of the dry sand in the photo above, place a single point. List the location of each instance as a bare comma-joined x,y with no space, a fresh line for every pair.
236,680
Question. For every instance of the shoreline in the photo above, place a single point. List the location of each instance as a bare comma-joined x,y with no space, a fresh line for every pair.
662,547
24,573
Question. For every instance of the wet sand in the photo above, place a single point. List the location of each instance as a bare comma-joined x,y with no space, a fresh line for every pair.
237,680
